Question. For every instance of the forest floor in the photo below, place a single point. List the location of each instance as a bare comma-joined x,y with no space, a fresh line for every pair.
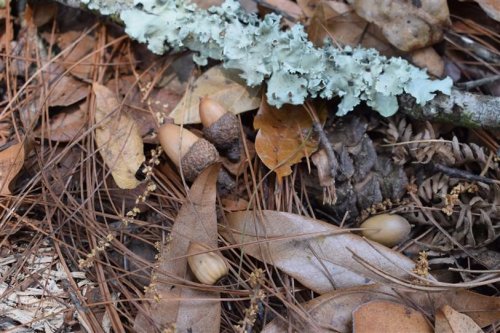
107,227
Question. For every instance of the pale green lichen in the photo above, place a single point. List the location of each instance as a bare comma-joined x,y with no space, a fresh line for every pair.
290,64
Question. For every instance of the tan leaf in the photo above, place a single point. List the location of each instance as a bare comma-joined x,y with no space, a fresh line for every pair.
318,254
117,138
407,25
450,321
285,136
11,162
188,309
221,85
389,317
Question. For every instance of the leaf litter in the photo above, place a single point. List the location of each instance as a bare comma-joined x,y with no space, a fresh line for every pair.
297,261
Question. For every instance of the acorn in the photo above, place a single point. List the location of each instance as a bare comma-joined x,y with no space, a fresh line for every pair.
221,128
208,267
187,150
386,229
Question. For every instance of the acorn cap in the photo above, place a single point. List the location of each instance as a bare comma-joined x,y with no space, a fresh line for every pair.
186,149
201,154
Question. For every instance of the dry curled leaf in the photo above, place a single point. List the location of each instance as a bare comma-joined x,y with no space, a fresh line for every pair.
118,139
223,86
450,321
185,308
408,25
11,162
319,255
388,317
285,136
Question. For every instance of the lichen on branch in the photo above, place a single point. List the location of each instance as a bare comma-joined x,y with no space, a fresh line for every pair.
290,64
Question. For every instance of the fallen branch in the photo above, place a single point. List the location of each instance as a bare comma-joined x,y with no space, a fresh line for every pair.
289,63
460,108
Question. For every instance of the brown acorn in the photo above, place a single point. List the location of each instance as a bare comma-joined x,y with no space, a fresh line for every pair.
208,267
185,149
221,128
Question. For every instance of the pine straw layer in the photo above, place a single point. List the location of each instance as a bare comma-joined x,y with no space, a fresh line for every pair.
69,261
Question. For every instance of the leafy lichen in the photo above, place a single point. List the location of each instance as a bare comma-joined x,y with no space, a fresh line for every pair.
290,64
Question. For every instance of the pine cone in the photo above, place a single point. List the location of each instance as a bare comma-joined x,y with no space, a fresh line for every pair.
363,178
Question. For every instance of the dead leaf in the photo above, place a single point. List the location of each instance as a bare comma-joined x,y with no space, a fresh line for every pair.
43,13
223,86
450,321
491,7
337,21
66,125
239,167
161,101
11,162
429,59
389,317
64,90
285,136
316,253
205,4
287,8
407,25
308,6
333,310
118,139
484,310
188,309
234,204
77,60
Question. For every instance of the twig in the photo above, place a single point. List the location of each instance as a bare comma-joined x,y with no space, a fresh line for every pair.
477,83
462,174
323,139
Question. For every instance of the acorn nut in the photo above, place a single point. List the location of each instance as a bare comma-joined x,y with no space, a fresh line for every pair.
221,128
185,149
208,267
386,229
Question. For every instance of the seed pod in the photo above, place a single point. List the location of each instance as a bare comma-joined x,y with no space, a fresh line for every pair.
185,149
386,229
221,128
208,267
